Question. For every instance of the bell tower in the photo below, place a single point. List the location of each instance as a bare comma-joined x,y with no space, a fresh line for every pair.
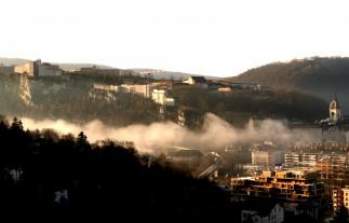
335,110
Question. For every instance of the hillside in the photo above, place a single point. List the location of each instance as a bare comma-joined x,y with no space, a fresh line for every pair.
108,179
72,97
320,77
239,106
64,66
168,75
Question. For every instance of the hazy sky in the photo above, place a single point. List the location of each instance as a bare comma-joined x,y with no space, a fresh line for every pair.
217,37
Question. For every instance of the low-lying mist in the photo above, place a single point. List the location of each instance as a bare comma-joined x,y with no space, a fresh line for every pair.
216,133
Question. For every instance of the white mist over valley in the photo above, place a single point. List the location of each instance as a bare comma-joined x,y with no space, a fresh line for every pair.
215,133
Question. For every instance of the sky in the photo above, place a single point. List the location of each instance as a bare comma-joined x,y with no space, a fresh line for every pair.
211,37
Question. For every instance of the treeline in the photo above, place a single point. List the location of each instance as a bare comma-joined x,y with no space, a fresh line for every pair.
312,72
108,76
42,172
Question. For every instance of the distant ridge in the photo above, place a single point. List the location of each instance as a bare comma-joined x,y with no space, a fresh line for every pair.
64,66
12,61
319,76
156,73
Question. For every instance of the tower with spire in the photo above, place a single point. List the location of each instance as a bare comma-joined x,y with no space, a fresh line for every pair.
335,110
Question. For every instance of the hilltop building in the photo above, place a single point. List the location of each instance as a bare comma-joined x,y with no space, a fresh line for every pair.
49,70
199,81
37,68
100,71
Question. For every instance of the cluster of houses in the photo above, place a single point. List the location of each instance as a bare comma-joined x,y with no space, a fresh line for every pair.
158,90
155,91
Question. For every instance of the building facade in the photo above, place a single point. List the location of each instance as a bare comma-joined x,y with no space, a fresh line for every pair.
266,155
340,198
294,159
29,68
37,68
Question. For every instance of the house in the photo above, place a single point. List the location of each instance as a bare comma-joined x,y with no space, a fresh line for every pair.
199,81
267,212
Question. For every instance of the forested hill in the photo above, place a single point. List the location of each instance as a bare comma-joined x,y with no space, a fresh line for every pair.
43,173
318,76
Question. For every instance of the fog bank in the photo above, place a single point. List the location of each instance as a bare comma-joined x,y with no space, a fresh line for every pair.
216,133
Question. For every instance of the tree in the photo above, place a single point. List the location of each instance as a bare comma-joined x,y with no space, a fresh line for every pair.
17,124
82,142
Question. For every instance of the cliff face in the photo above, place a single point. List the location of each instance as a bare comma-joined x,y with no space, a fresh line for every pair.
69,99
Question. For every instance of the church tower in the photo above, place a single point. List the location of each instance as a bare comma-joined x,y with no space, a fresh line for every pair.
335,110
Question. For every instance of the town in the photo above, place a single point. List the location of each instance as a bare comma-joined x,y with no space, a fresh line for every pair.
181,110
308,180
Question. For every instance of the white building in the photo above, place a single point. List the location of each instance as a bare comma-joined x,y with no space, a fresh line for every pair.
263,214
197,81
159,96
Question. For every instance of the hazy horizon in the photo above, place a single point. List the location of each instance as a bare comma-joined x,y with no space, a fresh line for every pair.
217,38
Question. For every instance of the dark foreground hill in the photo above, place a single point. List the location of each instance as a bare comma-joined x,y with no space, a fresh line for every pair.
43,173
321,77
